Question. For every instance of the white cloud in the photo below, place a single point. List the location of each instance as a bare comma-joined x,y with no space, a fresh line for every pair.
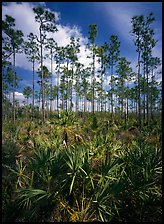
84,53
118,15
158,74
23,14
25,21
18,96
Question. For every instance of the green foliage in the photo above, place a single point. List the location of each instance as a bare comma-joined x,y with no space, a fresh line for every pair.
65,118
9,151
94,124
96,177
81,166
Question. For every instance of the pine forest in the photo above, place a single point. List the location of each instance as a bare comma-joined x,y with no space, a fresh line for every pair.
85,145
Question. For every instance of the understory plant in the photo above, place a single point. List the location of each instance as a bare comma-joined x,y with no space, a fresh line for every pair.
91,178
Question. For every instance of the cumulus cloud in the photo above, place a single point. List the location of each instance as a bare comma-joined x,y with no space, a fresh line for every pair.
18,96
118,14
25,21
23,14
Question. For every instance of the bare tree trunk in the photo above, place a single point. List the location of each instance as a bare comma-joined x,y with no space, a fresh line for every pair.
122,99
51,84
58,88
14,80
33,91
41,50
93,83
126,111
77,101
66,105
151,103
144,96
71,89
147,96
139,91
112,92
105,105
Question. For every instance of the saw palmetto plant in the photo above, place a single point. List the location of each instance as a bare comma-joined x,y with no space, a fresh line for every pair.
95,179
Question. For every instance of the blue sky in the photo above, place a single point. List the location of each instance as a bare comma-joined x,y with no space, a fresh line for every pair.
73,18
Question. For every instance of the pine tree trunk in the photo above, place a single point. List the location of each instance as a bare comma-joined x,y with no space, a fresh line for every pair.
151,103
51,86
127,110
112,92
33,91
66,100
93,83
84,103
14,80
101,92
144,95
77,101
43,100
71,91
58,72
139,91
122,99
105,105
3,103
147,96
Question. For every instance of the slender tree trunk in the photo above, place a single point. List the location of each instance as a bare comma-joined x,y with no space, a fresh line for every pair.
122,108
3,98
93,83
105,105
63,100
112,92
144,97
71,89
51,86
109,110
122,98
76,102
151,103
136,107
66,100
43,100
101,91
139,91
85,104
47,107
39,101
14,80
127,111
97,105
33,91
27,110
58,72
147,95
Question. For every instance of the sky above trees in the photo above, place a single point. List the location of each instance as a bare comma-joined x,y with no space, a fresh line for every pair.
74,18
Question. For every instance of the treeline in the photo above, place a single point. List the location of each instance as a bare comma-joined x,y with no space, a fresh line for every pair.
127,91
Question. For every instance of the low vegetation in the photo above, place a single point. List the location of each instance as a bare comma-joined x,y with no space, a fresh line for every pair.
85,145
68,170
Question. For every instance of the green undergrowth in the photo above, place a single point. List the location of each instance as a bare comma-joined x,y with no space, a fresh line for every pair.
81,169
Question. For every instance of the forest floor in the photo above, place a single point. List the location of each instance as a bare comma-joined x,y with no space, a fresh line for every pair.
81,168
